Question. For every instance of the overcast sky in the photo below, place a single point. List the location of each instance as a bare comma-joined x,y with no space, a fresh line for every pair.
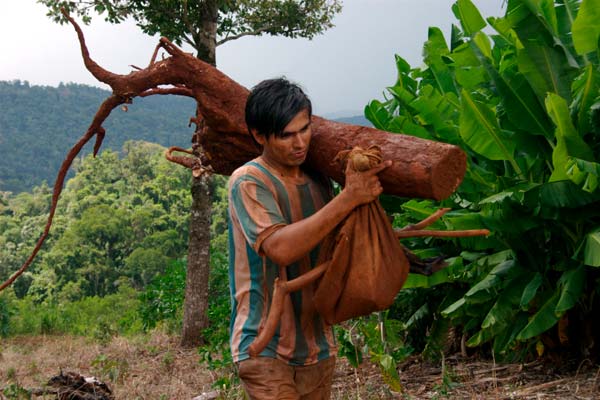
342,70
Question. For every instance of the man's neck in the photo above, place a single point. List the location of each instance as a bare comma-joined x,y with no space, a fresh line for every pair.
294,172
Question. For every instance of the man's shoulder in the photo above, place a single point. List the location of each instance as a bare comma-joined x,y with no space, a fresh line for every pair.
250,171
248,168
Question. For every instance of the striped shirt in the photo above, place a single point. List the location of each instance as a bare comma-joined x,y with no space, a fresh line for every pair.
259,204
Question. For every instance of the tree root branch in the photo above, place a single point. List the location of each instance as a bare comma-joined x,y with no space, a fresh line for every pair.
282,288
416,230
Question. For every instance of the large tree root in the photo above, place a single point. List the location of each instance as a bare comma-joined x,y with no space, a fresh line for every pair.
421,168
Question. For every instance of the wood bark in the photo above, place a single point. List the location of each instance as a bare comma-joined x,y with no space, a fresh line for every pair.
421,168
195,304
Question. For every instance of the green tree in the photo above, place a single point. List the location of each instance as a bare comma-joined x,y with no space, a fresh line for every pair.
120,219
205,25
27,158
523,103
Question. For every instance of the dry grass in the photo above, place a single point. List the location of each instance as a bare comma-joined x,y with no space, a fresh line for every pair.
152,367
155,367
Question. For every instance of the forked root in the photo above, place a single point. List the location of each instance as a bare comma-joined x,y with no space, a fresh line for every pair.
281,289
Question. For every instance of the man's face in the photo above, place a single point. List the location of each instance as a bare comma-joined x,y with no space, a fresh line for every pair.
288,151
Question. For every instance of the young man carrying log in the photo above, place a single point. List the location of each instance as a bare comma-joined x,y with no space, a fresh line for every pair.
279,214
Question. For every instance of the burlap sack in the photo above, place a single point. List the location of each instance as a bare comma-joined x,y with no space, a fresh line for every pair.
368,266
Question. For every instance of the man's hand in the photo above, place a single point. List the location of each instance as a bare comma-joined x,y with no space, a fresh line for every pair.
363,187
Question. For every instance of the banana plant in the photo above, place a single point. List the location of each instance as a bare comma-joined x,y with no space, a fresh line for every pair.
524,104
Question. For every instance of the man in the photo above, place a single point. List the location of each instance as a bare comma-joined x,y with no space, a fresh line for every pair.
279,213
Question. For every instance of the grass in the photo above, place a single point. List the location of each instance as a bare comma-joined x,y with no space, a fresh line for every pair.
142,367
154,366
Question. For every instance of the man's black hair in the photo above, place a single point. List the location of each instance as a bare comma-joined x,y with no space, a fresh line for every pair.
272,104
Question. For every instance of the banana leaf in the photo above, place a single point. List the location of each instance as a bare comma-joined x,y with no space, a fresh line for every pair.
572,283
469,16
569,142
480,130
543,320
586,29
586,88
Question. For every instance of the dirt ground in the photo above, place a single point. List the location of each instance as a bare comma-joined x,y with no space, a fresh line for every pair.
155,367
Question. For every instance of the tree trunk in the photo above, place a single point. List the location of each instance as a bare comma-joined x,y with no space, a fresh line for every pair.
195,305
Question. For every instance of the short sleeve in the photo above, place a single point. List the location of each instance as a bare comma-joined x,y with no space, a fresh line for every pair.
256,209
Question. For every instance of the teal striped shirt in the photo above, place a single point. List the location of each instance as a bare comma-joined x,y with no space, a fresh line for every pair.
260,203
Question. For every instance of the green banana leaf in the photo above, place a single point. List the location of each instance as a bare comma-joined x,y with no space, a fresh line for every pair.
548,66
520,102
493,279
544,13
424,281
506,307
569,142
591,249
469,16
402,124
500,316
468,71
483,291
583,173
586,29
585,88
543,320
503,340
433,51
438,111
376,112
566,12
525,194
480,130
571,283
566,194
530,291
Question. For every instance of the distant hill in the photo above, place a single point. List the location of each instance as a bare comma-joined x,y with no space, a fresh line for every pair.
38,124
355,120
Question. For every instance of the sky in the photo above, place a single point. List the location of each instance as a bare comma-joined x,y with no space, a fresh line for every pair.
341,70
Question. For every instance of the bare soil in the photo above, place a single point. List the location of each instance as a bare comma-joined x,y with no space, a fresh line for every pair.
156,367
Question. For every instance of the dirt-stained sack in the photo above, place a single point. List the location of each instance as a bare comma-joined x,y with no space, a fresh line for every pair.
368,266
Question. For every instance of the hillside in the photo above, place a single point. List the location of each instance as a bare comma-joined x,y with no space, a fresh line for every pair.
355,120
38,124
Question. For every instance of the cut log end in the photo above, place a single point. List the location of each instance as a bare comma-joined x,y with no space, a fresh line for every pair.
448,174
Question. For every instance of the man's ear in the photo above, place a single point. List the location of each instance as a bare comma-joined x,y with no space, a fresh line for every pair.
260,139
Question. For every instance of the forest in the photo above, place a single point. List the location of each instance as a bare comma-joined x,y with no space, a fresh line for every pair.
38,123
520,94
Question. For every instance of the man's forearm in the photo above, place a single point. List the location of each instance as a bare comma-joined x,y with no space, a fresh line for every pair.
291,242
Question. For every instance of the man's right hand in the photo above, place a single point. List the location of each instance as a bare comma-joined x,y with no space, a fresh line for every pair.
363,187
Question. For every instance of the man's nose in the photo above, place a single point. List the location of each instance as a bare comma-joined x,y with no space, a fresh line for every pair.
299,140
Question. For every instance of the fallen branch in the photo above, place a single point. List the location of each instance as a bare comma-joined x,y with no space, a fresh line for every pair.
533,389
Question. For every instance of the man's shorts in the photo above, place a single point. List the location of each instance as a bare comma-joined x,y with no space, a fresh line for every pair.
266,378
